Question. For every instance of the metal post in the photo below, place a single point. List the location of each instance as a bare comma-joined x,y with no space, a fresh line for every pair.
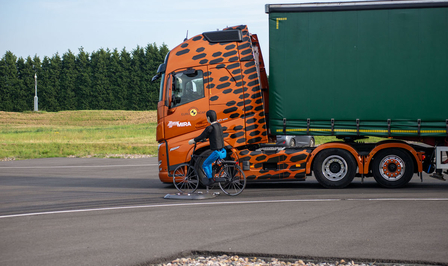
35,93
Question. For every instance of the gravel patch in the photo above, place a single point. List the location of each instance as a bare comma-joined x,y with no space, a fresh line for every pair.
7,159
243,260
253,261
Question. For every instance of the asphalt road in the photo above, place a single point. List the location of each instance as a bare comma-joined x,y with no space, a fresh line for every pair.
69,211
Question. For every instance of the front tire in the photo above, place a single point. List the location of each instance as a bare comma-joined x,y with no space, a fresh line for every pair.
185,178
392,168
334,168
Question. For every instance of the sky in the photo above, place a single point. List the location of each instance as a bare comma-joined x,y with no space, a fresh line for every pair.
47,27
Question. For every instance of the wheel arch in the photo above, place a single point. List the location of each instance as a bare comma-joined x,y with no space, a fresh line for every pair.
334,145
417,157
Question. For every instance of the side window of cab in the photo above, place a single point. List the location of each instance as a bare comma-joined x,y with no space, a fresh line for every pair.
188,86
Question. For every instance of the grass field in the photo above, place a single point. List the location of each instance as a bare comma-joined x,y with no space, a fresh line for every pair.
32,135
115,134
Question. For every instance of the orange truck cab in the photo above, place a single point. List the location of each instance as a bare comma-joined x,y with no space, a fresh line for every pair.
221,71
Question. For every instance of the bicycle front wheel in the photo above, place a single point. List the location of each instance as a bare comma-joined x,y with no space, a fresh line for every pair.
235,179
185,178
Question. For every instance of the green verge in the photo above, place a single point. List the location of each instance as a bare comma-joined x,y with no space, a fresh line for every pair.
77,133
39,150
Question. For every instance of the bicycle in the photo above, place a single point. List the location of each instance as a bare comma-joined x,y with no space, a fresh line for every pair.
228,174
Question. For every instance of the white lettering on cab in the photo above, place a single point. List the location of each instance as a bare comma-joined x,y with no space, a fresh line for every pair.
178,124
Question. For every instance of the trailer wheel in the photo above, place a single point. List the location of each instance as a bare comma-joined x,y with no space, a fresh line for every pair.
392,168
334,168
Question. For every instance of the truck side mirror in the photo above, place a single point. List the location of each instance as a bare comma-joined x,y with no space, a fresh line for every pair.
160,71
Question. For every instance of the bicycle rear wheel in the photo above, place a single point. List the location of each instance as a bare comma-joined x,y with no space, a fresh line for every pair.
185,178
235,179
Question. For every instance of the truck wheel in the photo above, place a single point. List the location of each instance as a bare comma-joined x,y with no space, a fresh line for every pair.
392,168
334,168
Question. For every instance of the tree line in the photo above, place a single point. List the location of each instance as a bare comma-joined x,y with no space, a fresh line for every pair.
101,80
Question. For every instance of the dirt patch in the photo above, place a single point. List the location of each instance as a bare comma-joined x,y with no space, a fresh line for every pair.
77,118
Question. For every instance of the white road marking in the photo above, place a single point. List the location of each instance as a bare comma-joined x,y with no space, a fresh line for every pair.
402,199
216,203
75,166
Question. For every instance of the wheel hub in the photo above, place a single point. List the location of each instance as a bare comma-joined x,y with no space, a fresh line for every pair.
334,168
392,168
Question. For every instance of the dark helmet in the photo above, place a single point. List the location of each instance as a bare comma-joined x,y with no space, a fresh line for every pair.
212,115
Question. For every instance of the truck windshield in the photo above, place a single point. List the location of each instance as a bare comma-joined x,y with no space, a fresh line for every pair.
188,86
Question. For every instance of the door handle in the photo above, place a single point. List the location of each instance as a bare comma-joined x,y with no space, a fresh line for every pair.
172,110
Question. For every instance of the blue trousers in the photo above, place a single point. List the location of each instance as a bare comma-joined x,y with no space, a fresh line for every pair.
207,165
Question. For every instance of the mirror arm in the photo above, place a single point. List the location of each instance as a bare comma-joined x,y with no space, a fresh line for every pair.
156,77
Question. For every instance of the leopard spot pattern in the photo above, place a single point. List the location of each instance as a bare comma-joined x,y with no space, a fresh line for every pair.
290,164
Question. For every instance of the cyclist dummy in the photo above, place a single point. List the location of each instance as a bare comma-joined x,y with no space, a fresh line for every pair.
214,133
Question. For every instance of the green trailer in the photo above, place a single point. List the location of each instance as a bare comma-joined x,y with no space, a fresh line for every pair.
359,68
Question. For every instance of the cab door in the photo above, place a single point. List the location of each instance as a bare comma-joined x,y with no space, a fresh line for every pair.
188,102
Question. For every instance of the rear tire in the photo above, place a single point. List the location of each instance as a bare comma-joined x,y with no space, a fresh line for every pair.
334,168
185,178
392,168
